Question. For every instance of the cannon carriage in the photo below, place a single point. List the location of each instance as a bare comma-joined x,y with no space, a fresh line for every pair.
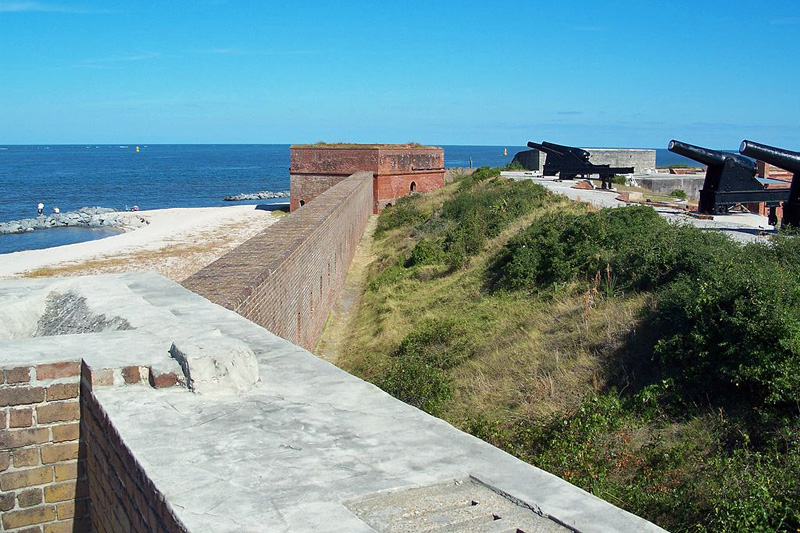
569,162
731,179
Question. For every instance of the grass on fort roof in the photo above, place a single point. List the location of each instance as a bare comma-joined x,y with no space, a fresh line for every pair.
321,144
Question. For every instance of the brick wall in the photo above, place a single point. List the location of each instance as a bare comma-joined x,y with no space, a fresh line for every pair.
771,171
302,191
394,167
43,486
122,497
286,279
388,189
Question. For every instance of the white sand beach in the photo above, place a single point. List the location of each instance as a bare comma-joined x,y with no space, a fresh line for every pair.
174,242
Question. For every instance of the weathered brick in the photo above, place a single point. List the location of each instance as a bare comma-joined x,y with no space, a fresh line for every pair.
58,412
23,437
72,509
5,461
3,418
160,380
58,370
32,529
26,478
21,396
25,457
37,515
18,375
20,418
131,374
67,526
6,501
66,432
103,377
65,491
73,470
56,453
29,497
62,391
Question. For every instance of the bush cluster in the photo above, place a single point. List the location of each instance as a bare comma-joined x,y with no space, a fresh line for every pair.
405,213
679,483
417,369
473,216
728,316
636,245
734,332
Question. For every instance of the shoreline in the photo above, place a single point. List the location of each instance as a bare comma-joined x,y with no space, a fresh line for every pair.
174,242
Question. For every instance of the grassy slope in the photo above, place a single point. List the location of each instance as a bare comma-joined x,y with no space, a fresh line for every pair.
538,374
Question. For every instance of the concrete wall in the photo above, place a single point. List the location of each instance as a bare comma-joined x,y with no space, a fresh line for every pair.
666,183
287,278
642,161
42,476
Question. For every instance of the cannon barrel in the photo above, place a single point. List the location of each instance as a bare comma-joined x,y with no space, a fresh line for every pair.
577,152
698,153
785,159
543,148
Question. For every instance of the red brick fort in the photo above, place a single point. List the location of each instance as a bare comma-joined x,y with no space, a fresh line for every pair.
397,170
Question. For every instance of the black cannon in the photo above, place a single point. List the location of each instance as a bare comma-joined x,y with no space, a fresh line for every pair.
569,162
730,180
786,160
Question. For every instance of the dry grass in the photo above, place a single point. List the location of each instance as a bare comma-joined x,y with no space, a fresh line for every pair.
531,355
176,260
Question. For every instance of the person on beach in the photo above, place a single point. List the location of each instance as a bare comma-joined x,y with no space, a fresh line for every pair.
56,210
40,208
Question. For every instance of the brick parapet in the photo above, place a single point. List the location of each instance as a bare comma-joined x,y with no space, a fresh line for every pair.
123,497
43,485
286,279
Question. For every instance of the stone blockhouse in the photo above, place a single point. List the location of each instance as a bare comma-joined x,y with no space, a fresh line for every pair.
398,170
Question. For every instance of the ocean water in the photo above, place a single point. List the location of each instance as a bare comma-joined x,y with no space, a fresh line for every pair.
160,176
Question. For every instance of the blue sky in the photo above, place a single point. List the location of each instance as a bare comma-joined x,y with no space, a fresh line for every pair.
591,73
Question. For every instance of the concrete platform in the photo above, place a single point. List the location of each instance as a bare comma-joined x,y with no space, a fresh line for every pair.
307,447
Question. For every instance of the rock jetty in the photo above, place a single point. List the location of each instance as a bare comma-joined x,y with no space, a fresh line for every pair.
87,217
263,195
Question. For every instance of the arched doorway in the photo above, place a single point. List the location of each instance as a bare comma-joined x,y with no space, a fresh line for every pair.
302,203
413,186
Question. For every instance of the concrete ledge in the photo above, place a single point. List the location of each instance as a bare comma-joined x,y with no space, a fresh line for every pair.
286,454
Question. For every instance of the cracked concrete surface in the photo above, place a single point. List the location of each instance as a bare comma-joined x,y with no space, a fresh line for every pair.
289,453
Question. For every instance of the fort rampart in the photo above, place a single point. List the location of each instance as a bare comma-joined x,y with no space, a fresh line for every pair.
286,279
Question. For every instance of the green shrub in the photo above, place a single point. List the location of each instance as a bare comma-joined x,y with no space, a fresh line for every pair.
417,369
728,316
481,174
681,475
616,179
426,252
388,276
678,193
405,213
634,244
734,332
